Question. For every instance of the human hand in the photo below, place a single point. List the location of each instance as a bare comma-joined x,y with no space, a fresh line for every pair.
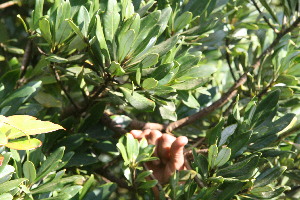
169,150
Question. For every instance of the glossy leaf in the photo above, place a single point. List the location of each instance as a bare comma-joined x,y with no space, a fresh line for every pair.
44,26
228,131
138,101
29,171
111,20
149,83
223,156
183,20
24,144
10,185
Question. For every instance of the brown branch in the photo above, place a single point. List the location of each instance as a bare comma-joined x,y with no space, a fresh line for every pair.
139,125
233,90
58,80
264,17
25,62
109,176
8,4
108,122
227,56
26,58
196,178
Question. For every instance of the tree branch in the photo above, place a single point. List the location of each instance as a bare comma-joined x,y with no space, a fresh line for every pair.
120,182
8,4
227,56
264,17
233,90
57,78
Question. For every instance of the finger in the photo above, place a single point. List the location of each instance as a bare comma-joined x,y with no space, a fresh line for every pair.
176,153
164,147
153,138
139,134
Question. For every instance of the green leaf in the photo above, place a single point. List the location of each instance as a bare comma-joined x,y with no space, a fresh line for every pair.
147,23
10,185
44,26
188,99
122,150
168,111
116,69
223,156
162,70
266,107
6,196
201,163
228,131
132,147
189,84
241,170
212,155
215,133
23,125
29,171
268,192
24,144
86,187
230,191
239,143
148,184
266,5
6,173
165,46
138,101
50,163
149,83
111,20
56,59
149,60
268,176
75,29
101,39
164,19
141,177
125,42
127,9
183,20
38,12
48,187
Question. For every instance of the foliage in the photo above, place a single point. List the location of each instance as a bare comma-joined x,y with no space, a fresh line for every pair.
224,72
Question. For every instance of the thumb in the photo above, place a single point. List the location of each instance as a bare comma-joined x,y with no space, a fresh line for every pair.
176,153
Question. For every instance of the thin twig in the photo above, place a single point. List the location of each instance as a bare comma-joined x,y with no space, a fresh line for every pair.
196,178
158,185
227,56
196,144
233,90
58,80
108,122
108,175
8,4
26,58
264,17
25,62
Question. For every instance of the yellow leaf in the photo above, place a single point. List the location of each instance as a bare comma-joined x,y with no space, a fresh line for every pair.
24,125
24,144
